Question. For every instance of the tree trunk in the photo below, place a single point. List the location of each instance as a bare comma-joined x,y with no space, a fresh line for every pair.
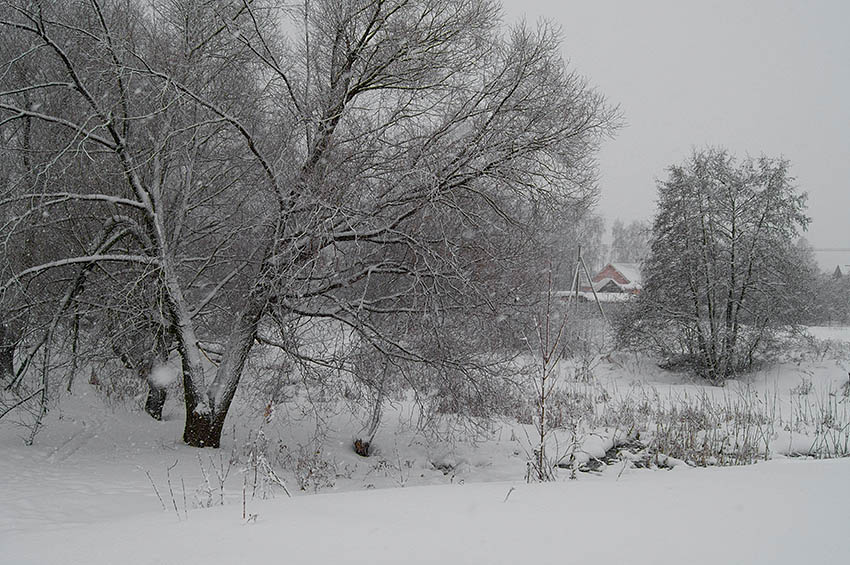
7,362
8,341
199,412
729,337
203,429
143,367
155,401
205,422
157,392
7,355
75,339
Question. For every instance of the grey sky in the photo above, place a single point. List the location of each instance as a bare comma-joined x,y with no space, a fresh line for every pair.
762,76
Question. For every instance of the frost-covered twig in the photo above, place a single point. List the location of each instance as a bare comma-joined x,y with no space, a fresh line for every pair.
170,489
156,490
22,401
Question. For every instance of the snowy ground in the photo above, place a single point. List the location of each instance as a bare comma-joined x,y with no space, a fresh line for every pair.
775,512
93,488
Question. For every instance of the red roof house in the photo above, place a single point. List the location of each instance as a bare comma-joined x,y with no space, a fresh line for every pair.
617,277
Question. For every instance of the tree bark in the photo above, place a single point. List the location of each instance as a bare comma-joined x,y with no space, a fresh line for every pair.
201,429
10,335
75,340
7,362
155,401
157,393
204,427
199,412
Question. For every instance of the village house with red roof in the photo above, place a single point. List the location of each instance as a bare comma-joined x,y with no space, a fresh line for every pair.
617,278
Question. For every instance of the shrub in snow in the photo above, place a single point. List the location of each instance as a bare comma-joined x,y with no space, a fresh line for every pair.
361,447
312,470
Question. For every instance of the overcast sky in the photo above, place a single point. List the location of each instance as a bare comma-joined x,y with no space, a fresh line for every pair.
758,77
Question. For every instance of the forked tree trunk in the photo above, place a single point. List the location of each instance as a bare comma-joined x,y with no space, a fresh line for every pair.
205,416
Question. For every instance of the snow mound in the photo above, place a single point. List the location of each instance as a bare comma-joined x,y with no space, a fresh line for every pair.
162,375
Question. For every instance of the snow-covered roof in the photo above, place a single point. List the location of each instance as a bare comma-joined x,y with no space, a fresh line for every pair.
608,296
631,271
599,285
844,270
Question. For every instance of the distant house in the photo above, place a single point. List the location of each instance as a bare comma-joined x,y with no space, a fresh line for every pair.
617,278
841,271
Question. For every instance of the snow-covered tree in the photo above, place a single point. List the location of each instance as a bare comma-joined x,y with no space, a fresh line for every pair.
374,164
720,273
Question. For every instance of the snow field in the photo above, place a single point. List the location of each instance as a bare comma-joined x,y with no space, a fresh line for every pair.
775,512
107,484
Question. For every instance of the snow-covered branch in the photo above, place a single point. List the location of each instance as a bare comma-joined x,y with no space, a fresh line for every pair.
86,259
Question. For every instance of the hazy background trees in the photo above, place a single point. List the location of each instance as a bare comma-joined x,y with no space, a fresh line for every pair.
579,227
629,242
723,272
385,169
